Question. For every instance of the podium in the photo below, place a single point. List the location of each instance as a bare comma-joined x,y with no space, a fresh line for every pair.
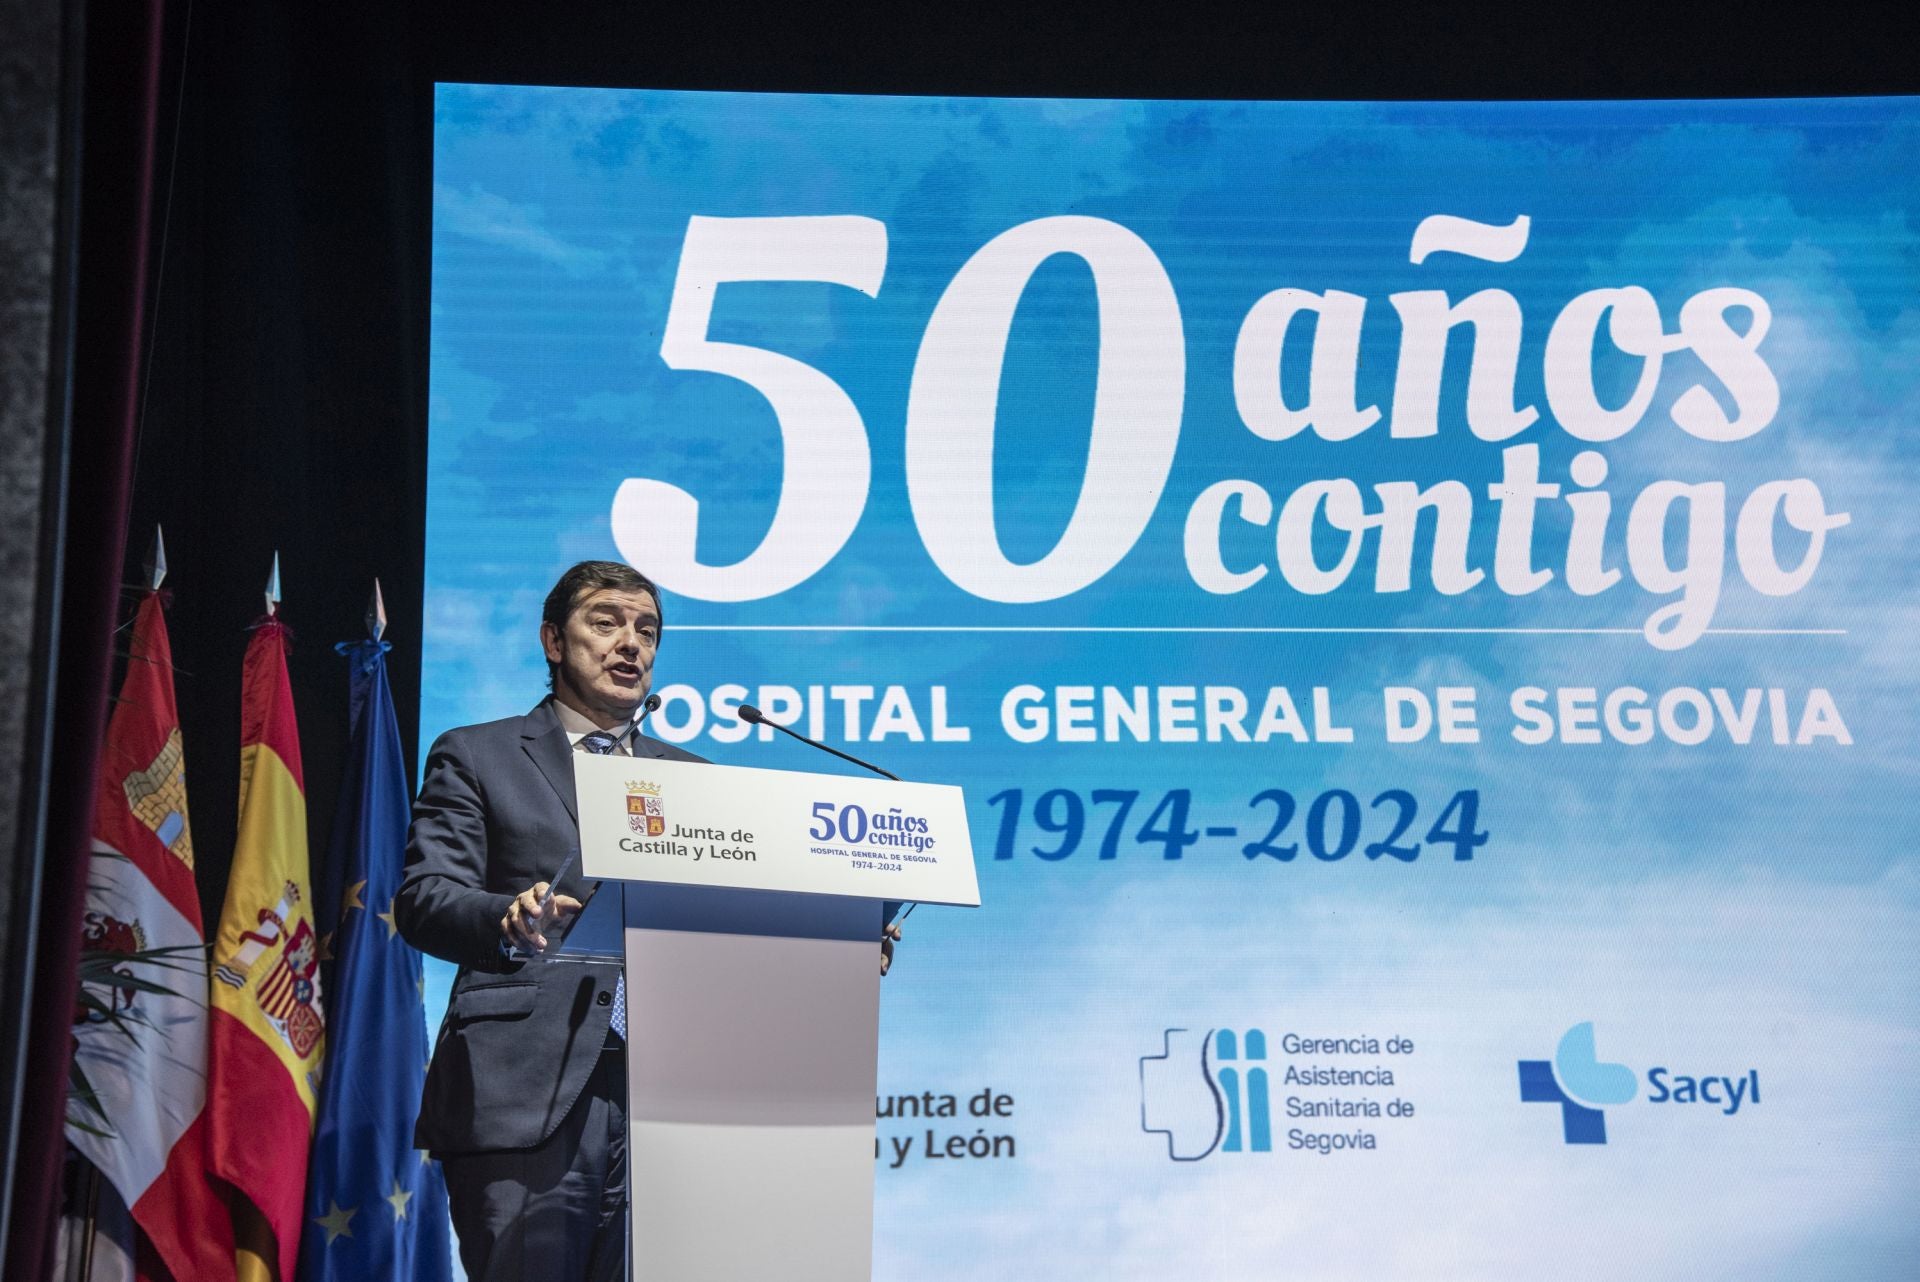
750,911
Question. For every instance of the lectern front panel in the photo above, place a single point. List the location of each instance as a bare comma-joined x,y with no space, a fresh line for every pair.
751,1066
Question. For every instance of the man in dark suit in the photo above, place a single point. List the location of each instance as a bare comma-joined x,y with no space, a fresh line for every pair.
525,1101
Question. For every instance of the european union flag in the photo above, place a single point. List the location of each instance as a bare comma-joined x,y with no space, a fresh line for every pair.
376,1206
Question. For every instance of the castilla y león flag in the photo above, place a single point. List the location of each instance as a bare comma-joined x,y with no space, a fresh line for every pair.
267,1025
146,1056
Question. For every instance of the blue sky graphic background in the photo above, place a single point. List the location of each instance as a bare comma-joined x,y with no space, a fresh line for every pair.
1715,907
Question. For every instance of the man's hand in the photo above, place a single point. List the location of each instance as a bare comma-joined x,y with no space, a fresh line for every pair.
526,919
888,938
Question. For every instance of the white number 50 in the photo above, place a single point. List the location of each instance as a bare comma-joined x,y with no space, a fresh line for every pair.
952,408
824,444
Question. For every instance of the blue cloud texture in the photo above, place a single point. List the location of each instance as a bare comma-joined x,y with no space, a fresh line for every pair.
1746,905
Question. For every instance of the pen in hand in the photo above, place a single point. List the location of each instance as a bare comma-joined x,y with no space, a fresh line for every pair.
535,943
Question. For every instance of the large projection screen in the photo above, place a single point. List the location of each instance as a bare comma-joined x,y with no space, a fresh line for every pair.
1421,598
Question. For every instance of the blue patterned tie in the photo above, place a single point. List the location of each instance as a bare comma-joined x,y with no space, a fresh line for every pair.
602,744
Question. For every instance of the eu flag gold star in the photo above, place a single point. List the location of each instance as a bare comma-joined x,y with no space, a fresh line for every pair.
353,898
335,1222
398,1200
387,917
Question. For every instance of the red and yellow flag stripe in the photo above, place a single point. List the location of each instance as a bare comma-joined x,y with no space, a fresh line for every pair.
268,1029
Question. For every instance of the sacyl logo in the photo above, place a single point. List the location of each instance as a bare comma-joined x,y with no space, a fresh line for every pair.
1207,1094
1580,1083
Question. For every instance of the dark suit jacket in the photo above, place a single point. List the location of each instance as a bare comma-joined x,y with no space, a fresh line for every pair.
520,1039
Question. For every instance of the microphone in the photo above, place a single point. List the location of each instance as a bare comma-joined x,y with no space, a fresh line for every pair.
753,716
632,731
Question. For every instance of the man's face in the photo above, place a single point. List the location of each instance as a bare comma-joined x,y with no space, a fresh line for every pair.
605,652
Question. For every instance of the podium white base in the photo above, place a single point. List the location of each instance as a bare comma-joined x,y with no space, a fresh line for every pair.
750,1075
750,1202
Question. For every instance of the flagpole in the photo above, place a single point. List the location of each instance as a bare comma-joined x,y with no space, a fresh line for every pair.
155,569
156,574
90,1223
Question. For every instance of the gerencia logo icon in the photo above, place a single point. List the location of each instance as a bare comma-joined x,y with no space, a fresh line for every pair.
1207,1095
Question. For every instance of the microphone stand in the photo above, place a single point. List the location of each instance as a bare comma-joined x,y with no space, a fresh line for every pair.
754,717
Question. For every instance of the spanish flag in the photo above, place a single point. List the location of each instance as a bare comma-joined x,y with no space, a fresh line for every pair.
267,1026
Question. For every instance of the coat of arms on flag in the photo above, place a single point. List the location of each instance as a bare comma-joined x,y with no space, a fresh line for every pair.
157,796
288,984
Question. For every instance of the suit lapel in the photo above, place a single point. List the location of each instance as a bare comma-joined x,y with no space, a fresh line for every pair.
545,740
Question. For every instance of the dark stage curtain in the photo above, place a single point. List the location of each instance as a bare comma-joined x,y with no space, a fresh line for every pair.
249,374
119,126
287,403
